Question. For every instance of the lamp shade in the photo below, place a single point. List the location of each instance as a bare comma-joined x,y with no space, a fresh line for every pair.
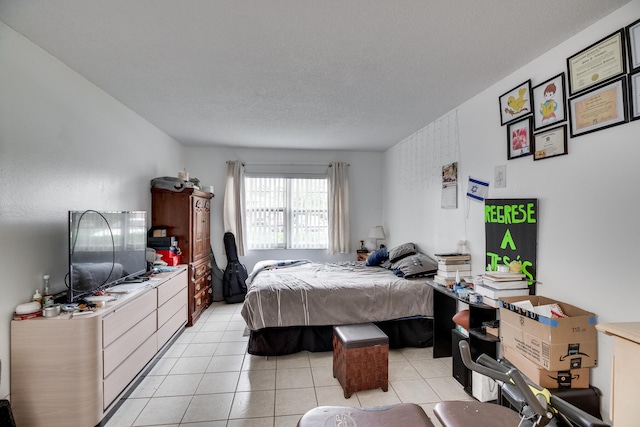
377,232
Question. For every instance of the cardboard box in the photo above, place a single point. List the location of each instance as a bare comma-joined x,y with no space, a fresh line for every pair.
159,232
493,331
574,378
555,344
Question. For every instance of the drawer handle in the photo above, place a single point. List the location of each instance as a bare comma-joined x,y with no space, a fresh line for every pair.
198,301
197,287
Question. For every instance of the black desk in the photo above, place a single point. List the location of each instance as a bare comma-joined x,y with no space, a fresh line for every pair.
445,306
446,337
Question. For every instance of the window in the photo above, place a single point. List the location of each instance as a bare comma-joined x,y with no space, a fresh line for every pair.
286,213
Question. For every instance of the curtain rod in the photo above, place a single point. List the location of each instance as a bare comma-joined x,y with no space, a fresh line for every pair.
286,164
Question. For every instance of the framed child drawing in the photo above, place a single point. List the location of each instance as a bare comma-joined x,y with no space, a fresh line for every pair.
519,138
549,103
515,103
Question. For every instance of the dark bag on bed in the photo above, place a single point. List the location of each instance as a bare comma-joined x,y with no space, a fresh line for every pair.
234,287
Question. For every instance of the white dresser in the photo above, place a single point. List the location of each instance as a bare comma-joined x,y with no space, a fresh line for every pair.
71,370
625,373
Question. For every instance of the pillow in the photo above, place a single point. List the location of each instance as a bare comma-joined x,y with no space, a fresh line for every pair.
416,265
401,251
376,257
386,264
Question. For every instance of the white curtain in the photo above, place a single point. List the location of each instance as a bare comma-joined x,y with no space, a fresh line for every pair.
234,204
339,208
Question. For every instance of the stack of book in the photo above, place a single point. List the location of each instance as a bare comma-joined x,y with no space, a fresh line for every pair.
496,285
451,264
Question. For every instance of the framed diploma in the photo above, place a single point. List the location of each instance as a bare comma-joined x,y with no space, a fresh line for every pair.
633,45
600,62
519,138
634,95
515,103
600,108
550,143
549,103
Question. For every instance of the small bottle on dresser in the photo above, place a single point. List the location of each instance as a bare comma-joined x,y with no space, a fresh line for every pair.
47,298
37,297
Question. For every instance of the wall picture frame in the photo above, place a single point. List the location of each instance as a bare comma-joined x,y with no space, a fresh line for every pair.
600,108
515,103
596,64
549,102
632,32
550,143
519,135
634,95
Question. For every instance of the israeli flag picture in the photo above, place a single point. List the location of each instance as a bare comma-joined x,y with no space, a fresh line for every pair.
477,189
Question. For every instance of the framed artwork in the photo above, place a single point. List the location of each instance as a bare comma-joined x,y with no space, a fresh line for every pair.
602,61
519,138
549,103
516,103
634,95
599,108
550,143
633,45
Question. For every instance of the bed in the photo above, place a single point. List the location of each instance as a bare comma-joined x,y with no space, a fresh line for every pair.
292,305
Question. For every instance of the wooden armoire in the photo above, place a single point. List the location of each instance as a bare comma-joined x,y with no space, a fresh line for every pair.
186,215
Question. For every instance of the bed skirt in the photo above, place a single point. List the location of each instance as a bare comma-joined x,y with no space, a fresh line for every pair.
410,332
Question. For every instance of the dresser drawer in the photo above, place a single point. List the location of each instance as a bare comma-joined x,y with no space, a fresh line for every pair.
167,310
118,380
200,300
174,323
167,290
127,343
124,318
200,270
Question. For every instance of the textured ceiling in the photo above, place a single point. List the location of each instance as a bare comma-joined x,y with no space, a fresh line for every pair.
316,74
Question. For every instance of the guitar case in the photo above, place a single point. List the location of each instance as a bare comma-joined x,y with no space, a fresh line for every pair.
217,280
234,287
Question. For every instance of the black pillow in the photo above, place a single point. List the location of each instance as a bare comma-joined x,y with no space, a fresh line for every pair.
416,265
402,251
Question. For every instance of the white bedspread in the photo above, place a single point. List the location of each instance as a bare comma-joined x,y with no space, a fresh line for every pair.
304,294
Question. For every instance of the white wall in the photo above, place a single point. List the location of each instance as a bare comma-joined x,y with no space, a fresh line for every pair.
587,223
365,181
64,144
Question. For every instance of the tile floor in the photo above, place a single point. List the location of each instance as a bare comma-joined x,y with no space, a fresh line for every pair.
206,378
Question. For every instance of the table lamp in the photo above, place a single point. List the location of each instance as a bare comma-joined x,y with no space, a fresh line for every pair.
377,233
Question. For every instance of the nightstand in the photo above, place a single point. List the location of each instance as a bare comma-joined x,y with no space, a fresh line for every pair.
362,256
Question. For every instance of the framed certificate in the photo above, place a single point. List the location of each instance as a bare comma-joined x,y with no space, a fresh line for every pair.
550,143
519,138
633,45
549,103
600,108
600,62
634,95
515,103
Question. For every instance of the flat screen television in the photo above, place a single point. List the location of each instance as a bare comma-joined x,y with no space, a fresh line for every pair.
105,248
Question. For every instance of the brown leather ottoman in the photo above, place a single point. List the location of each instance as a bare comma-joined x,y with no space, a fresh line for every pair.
402,415
360,358
474,413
